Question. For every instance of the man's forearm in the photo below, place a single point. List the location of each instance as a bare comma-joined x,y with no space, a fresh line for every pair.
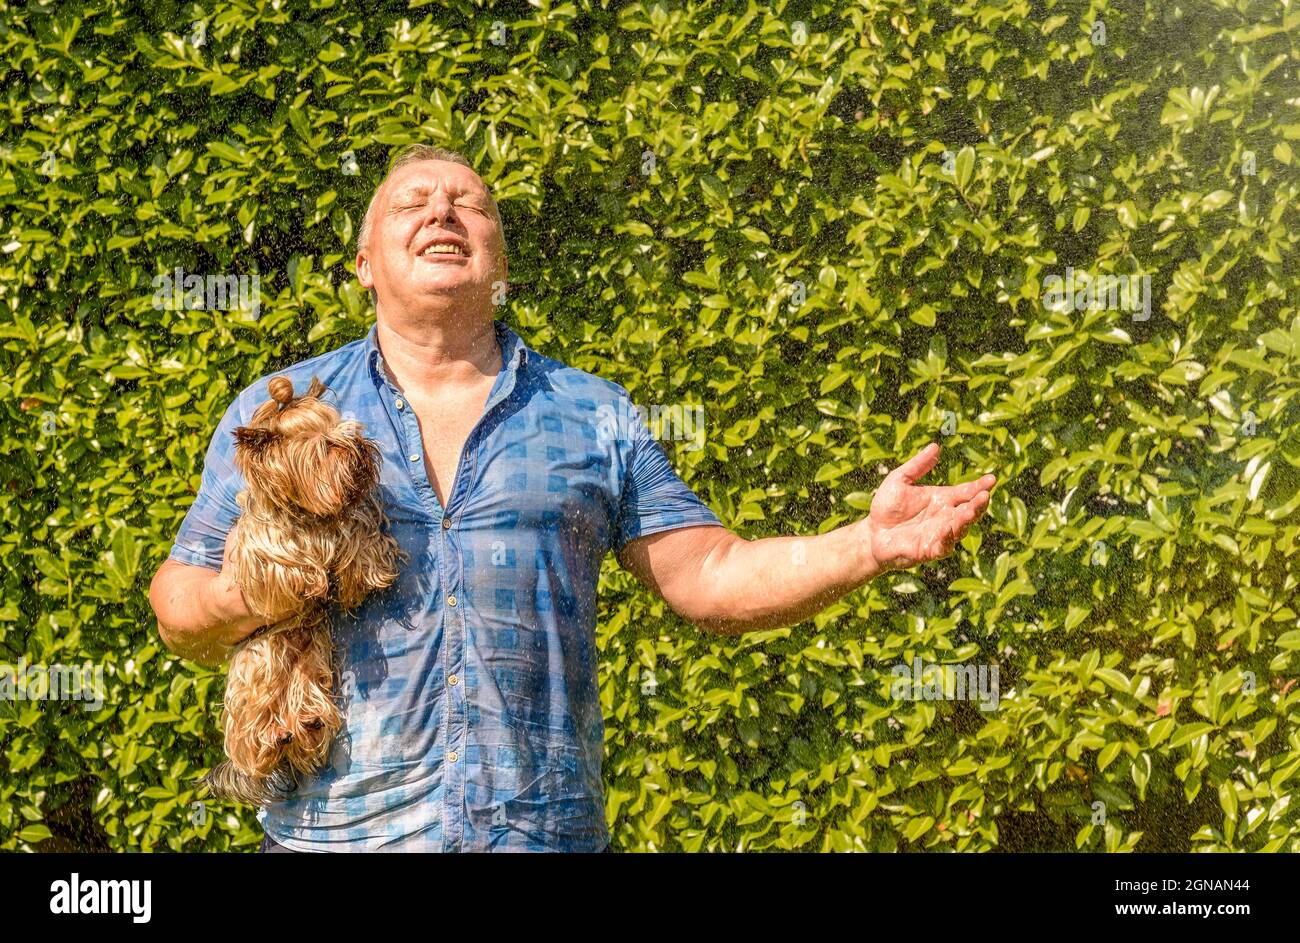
780,581
201,614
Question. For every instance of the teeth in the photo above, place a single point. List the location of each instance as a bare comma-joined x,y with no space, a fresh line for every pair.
446,248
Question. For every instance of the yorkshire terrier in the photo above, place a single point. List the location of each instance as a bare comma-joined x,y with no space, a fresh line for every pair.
311,534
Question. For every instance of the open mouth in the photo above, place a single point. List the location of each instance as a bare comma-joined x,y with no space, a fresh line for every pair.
444,252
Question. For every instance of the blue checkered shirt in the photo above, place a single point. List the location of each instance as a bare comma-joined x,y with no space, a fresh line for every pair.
469,688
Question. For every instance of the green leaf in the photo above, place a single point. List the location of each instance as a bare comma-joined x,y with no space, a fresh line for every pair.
965,166
1187,733
34,833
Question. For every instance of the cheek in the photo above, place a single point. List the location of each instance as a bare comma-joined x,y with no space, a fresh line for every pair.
399,233
491,259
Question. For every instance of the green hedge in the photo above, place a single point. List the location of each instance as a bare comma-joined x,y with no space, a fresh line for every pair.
830,224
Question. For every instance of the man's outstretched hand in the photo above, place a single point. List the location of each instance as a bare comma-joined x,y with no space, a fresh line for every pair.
910,523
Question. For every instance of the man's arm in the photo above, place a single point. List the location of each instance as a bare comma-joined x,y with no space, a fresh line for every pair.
201,612
729,585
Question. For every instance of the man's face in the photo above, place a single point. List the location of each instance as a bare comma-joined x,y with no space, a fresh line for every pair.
433,234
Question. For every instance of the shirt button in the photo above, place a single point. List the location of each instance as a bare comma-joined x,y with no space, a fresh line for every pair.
414,457
400,404
452,756
453,681
446,523
451,600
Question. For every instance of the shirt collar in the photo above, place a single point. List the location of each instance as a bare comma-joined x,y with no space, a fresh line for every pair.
514,352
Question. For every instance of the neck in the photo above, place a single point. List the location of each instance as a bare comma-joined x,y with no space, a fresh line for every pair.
424,356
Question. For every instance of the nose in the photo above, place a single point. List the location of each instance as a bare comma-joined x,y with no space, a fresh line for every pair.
441,209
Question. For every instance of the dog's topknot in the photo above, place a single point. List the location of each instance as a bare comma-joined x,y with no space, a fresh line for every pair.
281,390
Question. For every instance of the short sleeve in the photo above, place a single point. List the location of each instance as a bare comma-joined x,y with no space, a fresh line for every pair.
201,540
654,497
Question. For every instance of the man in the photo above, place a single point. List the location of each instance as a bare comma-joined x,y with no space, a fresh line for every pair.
473,719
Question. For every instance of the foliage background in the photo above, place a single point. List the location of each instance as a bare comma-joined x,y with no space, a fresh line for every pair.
1123,667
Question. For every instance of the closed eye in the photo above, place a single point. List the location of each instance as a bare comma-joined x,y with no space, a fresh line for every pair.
416,204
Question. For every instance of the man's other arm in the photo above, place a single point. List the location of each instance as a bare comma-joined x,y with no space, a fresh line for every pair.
729,585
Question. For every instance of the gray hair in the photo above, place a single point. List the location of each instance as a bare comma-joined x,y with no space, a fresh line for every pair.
412,154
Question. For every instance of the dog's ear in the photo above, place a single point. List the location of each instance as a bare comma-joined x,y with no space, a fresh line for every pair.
358,460
253,441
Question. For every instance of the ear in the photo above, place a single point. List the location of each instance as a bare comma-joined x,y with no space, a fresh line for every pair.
359,457
364,275
254,441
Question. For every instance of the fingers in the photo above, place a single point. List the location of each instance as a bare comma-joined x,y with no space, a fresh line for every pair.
960,494
919,464
962,517
967,514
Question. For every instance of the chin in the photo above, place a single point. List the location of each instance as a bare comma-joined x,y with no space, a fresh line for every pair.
440,282
461,288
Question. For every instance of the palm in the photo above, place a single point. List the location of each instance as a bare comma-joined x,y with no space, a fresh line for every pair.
913,523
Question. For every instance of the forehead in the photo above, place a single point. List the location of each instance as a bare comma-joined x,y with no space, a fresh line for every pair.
435,174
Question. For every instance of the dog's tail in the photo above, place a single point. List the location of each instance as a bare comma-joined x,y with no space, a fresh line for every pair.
227,781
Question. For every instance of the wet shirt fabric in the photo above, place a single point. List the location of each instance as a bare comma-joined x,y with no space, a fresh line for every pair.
473,719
